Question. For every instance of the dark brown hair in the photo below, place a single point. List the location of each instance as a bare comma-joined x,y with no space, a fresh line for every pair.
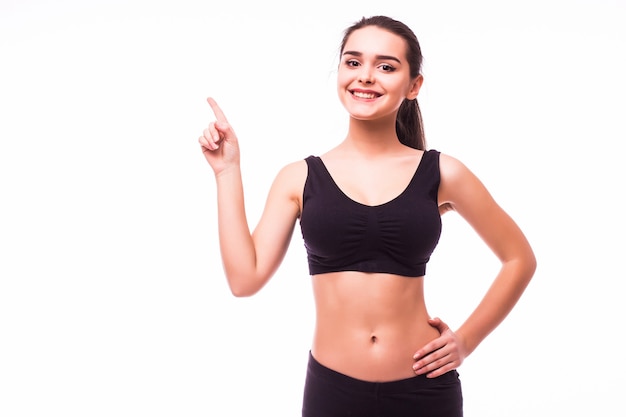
409,124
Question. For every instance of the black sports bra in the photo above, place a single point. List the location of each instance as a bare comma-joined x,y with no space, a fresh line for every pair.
397,237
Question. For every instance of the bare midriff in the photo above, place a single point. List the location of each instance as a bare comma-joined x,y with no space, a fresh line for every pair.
369,325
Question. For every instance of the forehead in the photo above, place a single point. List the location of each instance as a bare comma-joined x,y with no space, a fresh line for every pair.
375,40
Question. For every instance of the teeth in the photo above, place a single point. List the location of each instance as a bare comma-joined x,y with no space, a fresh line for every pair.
364,95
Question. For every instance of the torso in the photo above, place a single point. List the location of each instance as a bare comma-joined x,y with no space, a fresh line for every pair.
369,325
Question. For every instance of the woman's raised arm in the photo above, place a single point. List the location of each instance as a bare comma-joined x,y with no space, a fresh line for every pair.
249,259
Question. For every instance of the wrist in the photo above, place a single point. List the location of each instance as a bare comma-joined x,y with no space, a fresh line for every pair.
229,170
465,342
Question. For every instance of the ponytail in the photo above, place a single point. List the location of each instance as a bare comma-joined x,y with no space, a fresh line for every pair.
410,126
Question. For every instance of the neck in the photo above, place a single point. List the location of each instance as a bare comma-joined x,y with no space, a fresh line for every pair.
373,136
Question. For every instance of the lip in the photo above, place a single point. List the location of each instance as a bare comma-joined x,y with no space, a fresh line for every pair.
362,94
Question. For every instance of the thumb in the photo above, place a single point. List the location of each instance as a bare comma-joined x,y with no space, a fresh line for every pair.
437,323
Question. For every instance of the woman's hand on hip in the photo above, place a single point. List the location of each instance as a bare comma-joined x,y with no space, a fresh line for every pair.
441,355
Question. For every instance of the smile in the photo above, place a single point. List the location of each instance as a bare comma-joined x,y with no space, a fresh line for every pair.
366,95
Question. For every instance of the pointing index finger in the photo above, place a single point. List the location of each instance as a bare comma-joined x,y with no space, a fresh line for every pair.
219,114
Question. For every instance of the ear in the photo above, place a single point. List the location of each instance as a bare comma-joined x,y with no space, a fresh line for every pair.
416,84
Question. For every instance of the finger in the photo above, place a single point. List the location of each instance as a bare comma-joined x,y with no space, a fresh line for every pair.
207,143
440,371
429,348
211,133
212,136
422,368
440,366
432,363
217,111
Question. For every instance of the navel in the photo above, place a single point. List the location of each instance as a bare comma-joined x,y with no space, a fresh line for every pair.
373,339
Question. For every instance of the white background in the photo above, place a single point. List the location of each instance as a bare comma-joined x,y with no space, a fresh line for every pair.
112,297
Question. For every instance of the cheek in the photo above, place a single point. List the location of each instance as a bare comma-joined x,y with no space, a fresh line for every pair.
342,85
403,89
341,93
342,80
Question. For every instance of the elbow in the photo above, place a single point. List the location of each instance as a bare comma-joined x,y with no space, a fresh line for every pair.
241,292
522,267
529,266
242,287
532,266
532,262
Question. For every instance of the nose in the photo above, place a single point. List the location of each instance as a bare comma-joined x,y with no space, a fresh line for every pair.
365,75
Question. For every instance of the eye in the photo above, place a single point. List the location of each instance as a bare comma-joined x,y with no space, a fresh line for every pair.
387,68
352,63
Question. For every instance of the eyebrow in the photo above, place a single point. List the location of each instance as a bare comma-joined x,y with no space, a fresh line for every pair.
359,54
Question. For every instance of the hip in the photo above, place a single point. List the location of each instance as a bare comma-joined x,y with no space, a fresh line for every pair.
329,392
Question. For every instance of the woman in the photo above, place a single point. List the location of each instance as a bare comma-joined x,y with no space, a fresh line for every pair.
369,210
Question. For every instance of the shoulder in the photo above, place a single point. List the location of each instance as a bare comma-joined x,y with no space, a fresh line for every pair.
295,169
455,172
291,178
451,167
459,185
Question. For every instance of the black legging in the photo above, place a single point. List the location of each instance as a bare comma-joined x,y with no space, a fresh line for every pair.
328,393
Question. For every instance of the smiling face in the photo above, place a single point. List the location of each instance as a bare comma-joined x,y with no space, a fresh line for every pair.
374,75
